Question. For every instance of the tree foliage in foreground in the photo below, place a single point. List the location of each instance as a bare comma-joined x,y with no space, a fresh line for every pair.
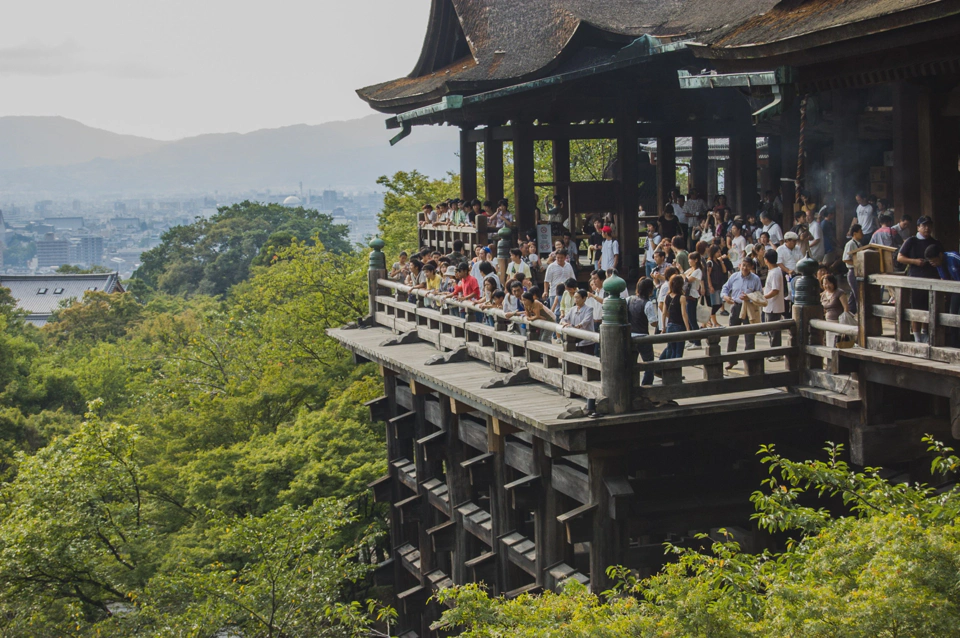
888,569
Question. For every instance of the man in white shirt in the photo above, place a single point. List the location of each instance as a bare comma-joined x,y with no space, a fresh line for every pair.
678,204
610,252
503,216
866,217
429,215
557,273
772,229
789,254
517,264
694,210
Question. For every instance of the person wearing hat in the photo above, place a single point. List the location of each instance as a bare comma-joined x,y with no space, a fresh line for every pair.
610,250
789,254
913,255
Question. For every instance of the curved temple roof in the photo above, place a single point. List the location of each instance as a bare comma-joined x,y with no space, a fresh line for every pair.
480,45
518,40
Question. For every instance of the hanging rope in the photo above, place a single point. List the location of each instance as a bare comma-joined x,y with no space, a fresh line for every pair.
803,133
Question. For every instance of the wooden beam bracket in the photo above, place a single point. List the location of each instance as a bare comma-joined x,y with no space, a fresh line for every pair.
579,523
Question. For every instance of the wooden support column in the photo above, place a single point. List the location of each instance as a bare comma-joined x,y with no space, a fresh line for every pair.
608,533
699,161
561,164
743,153
492,167
713,186
939,145
666,170
426,469
774,171
629,227
789,148
847,177
549,533
906,150
396,526
503,515
524,192
458,489
468,165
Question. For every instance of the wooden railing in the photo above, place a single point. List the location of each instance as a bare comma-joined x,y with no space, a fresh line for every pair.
514,346
713,381
938,320
442,236
451,325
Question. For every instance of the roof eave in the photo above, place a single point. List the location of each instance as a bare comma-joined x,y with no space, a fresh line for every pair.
834,35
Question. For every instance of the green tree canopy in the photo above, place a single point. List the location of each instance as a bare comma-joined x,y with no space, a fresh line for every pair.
211,255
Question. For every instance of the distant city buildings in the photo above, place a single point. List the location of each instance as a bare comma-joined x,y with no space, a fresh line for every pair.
44,234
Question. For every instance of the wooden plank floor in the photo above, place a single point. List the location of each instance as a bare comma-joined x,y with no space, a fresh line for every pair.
536,404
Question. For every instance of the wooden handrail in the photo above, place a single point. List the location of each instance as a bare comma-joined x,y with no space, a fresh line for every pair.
550,326
703,333
914,283
832,326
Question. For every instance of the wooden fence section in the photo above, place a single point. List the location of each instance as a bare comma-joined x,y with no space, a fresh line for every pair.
516,345
943,328
509,345
441,236
713,381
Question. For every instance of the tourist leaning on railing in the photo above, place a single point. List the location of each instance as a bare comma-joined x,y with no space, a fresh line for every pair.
581,317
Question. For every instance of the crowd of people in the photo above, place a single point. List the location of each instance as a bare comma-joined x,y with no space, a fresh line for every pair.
700,263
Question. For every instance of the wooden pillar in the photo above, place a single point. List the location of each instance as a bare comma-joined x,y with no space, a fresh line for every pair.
743,153
492,167
629,226
426,469
774,165
549,533
789,148
468,166
504,517
846,152
731,185
906,150
606,543
666,170
458,488
713,188
939,145
561,164
525,194
699,160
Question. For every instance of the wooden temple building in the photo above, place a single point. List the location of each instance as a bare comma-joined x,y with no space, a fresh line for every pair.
496,473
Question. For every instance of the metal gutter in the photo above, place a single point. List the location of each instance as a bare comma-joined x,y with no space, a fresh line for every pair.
776,80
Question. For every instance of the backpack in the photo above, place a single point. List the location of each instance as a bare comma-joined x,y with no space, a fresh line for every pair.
637,316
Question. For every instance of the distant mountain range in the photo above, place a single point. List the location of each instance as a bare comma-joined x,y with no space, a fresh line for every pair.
60,157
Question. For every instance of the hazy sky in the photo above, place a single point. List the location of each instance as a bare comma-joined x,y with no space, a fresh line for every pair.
172,68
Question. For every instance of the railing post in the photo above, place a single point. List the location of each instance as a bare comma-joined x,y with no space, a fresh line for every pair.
377,270
503,253
866,263
807,306
616,370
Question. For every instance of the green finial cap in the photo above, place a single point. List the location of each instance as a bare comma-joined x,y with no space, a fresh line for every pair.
808,266
377,259
614,286
505,233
